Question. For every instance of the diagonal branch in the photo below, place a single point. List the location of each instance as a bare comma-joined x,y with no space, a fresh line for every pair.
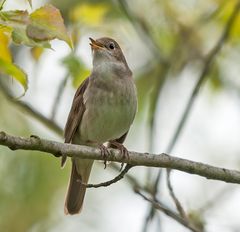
29,110
57,100
160,206
34,143
143,31
206,67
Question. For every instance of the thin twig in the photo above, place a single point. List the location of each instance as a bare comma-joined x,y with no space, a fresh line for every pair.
206,67
160,80
57,100
132,180
2,4
160,206
114,180
62,86
26,108
149,216
143,32
214,201
174,197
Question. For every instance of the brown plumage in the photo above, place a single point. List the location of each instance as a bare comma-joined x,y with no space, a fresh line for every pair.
76,191
103,109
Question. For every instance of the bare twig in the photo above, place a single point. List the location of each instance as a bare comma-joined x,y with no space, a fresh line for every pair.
26,108
160,206
206,67
34,143
59,96
175,199
143,31
132,181
62,85
114,180
2,3
214,201
160,80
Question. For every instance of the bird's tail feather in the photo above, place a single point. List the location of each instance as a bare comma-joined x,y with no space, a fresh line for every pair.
76,190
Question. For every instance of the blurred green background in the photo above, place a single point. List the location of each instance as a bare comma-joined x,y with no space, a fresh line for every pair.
166,44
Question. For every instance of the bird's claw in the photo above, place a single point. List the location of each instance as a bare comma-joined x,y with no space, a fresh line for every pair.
123,150
104,154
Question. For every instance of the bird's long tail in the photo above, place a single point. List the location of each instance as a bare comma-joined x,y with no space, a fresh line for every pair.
76,190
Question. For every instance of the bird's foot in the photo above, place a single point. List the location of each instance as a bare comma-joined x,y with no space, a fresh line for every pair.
123,150
104,154
63,160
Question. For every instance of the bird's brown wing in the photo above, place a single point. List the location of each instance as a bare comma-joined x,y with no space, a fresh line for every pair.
76,112
80,168
75,115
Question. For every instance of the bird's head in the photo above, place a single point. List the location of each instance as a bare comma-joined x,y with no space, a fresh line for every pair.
106,50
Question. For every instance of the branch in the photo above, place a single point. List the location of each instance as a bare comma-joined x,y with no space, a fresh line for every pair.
160,206
31,111
177,203
50,124
143,31
57,100
206,67
114,180
34,143
62,86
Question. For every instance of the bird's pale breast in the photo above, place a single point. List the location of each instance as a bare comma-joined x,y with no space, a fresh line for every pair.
110,109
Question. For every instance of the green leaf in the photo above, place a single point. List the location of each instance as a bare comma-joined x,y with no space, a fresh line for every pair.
19,36
36,29
6,65
76,69
36,53
46,23
14,18
13,70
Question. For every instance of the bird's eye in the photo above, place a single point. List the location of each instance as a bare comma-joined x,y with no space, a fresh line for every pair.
111,46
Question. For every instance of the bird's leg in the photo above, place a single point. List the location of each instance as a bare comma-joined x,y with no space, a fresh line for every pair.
119,146
123,150
104,154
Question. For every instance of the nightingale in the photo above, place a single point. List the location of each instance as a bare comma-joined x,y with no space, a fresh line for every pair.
103,109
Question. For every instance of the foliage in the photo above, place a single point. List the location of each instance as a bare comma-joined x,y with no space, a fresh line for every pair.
76,69
34,30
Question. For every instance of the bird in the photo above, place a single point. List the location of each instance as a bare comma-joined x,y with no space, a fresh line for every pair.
103,109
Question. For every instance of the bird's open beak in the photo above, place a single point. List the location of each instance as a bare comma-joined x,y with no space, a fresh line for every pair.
95,44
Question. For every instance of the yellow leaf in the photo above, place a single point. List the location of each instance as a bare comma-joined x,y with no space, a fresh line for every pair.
36,52
226,13
19,36
46,23
89,14
4,42
8,68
